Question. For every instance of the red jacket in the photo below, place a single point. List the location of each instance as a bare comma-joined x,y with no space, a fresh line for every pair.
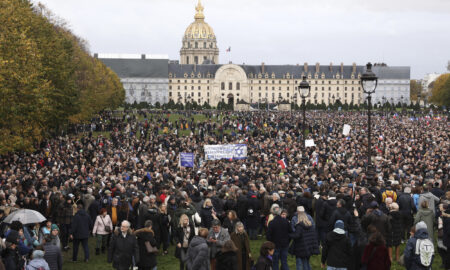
379,260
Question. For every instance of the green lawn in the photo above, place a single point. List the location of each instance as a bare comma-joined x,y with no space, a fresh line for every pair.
169,262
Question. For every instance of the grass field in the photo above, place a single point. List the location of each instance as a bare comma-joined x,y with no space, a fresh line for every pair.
169,262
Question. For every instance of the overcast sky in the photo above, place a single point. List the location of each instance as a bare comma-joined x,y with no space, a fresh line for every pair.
412,33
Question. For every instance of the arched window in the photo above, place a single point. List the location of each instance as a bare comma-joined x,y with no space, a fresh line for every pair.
187,60
222,86
196,44
204,45
238,86
196,60
230,86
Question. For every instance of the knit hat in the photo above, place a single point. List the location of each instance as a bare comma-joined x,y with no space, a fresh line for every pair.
339,227
55,227
13,237
300,209
38,254
421,225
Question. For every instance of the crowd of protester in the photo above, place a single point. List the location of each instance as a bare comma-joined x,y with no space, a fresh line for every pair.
128,191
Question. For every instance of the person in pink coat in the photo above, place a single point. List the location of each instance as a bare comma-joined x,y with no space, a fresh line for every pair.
102,229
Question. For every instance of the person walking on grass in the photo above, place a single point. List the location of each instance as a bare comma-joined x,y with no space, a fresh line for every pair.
102,228
336,253
79,232
123,248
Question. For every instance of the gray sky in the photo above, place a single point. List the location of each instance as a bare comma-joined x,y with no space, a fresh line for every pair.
412,33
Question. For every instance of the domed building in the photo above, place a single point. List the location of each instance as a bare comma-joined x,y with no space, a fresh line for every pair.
199,42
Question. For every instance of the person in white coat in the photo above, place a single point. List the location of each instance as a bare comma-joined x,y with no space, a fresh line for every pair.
102,228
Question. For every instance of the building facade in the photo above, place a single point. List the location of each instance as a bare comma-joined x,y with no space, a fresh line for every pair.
144,77
393,84
199,77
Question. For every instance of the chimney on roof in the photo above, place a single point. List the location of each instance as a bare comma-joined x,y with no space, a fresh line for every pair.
142,56
262,68
342,68
317,67
331,66
305,67
354,68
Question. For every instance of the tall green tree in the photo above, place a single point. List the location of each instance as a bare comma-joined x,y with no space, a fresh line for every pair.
440,93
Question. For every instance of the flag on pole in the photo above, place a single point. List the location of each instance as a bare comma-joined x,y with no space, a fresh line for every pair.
228,50
282,163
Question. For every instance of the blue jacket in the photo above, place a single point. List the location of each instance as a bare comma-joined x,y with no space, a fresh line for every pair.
412,261
81,225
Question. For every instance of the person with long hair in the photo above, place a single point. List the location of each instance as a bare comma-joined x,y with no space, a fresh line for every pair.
227,258
241,241
305,240
146,236
265,256
376,255
183,236
230,221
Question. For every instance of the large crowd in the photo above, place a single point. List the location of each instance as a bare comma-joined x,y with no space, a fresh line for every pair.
127,190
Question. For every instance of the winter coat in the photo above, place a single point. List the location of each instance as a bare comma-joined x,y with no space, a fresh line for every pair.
340,214
94,210
226,260
252,214
412,260
278,232
406,204
426,215
327,211
221,239
11,259
321,222
65,213
198,254
188,210
101,223
377,259
379,220
154,215
122,250
446,230
206,216
242,242
336,251
147,260
81,225
395,236
263,263
230,225
305,241
53,256
432,200
37,264
179,236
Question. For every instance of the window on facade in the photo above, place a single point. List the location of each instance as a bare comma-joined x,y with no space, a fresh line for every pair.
288,88
192,87
196,60
187,60
273,88
170,87
287,94
337,88
222,86
230,86
204,45
329,88
198,94
185,87
196,44
238,86
345,95
199,88
259,88
259,94
267,88
315,88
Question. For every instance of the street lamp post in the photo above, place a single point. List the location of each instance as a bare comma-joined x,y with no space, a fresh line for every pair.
304,90
369,82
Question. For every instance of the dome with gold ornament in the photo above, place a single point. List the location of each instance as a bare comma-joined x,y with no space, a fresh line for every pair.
199,29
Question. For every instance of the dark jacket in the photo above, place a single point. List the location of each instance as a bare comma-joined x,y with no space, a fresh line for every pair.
321,222
406,204
81,225
206,216
395,236
198,254
226,260
147,260
154,215
53,256
446,229
336,251
327,211
252,214
376,259
412,261
379,220
11,259
305,241
122,249
278,232
263,263
179,236
340,214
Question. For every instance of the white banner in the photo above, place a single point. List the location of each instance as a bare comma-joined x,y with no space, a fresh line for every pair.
346,130
225,151
309,143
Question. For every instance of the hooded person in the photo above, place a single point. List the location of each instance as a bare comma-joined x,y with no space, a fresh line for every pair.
198,252
38,261
336,251
419,250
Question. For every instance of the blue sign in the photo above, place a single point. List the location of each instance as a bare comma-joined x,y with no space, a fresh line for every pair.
187,160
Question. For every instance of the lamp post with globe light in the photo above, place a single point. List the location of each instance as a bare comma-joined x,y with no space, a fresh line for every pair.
369,82
304,90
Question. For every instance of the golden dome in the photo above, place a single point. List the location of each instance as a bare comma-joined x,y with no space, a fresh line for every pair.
199,28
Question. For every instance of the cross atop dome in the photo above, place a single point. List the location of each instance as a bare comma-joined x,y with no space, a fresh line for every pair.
199,14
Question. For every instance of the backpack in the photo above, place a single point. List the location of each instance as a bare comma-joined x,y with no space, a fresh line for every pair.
425,250
390,194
